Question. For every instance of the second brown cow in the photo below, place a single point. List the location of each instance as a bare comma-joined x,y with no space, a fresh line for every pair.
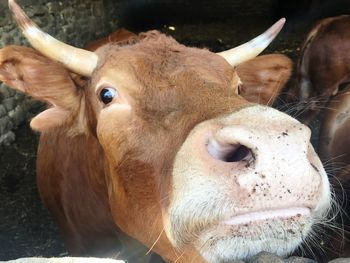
324,65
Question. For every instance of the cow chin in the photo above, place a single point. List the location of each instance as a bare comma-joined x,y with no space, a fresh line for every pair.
244,183
220,240
224,243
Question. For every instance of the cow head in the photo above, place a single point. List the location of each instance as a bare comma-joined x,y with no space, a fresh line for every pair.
194,171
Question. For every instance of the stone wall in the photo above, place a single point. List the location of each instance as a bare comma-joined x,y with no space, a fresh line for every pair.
73,21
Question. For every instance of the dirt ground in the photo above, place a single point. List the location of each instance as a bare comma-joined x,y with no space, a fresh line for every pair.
26,229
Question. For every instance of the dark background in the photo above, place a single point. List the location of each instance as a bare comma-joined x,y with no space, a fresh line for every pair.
146,14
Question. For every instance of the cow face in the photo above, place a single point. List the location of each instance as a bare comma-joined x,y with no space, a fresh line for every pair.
193,170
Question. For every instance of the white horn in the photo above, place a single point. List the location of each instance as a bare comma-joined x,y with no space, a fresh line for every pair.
78,60
254,47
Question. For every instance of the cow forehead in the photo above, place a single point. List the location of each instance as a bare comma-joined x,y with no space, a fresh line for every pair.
159,58
165,81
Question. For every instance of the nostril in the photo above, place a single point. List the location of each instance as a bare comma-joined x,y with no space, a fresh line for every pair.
241,153
228,152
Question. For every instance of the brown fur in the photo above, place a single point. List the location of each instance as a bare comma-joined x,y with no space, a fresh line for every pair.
334,144
17,71
257,84
118,36
326,57
115,172
334,139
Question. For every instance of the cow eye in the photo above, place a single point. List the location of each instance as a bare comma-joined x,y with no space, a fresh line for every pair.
107,94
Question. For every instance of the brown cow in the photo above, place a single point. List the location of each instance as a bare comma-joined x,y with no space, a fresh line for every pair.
160,146
334,141
324,65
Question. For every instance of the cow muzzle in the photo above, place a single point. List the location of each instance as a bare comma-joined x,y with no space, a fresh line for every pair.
246,182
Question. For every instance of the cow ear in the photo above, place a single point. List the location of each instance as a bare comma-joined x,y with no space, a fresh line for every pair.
25,70
264,77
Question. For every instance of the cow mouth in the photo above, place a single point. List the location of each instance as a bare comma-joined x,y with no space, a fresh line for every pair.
284,213
278,231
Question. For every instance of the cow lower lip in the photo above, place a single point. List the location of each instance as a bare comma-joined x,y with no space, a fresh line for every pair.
267,214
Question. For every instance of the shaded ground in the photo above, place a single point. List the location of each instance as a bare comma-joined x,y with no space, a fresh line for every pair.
26,229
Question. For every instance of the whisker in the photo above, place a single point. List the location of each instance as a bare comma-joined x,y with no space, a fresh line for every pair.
179,257
155,242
